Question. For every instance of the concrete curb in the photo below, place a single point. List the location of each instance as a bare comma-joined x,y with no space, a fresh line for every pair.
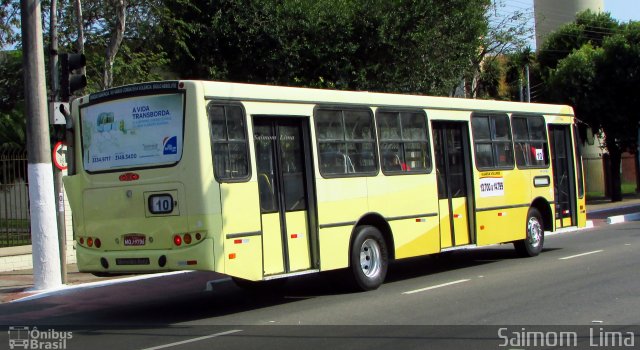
623,218
32,294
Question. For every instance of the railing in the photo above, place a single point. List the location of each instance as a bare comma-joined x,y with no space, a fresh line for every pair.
14,198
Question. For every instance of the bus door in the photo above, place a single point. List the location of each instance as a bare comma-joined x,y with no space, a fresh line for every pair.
285,184
563,175
453,168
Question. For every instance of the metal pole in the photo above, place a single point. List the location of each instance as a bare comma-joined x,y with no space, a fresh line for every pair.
46,259
526,68
57,173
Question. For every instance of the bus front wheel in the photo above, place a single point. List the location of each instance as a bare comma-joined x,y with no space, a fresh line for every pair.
369,258
533,242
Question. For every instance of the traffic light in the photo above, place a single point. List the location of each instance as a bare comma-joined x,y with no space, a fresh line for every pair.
70,81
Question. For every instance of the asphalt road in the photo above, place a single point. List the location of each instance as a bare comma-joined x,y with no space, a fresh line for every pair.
585,281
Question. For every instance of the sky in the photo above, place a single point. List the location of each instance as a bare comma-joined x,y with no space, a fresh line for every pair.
622,10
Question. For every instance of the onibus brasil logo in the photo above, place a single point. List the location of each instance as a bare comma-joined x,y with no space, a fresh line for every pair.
22,337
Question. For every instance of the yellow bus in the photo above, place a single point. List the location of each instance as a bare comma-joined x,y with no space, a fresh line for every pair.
264,182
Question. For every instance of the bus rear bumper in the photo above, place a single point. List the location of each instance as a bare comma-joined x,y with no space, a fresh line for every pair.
196,257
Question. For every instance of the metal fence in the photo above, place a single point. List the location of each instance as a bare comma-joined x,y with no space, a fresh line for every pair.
14,198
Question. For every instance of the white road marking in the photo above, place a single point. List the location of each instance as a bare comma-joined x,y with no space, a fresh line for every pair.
578,255
434,287
193,340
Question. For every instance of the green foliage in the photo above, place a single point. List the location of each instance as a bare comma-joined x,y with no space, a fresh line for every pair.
12,120
402,45
588,28
9,21
601,79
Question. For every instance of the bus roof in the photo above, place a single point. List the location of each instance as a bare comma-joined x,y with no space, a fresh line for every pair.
269,93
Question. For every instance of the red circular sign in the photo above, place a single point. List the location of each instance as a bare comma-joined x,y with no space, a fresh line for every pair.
60,155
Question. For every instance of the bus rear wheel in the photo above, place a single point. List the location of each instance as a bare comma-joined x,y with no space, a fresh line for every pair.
369,258
534,240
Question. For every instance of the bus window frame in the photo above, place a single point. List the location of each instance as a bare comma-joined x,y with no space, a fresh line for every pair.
247,177
491,141
374,140
125,95
429,166
546,140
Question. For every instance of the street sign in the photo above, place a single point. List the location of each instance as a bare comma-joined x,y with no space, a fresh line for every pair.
60,155
55,115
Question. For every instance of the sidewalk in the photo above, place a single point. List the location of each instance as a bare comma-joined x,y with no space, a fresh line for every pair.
17,284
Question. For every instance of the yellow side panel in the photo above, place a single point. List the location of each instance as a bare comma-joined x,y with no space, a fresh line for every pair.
502,225
445,224
244,257
460,221
414,237
582,212
394,196
272,244
240,214
241,207
334,247
341,200
298,241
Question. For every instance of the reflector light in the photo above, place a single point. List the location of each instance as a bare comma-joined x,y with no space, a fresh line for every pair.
192,262
98,243
295,235
177,240
187,238
81,240
90,242
198,236
232,256
482,227
237,241
129,177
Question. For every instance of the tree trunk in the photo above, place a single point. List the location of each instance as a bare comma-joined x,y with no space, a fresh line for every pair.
615,157
114,42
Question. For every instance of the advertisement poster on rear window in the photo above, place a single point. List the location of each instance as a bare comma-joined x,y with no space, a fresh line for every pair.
133,132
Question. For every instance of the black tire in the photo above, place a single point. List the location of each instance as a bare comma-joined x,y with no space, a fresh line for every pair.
368,258
534,241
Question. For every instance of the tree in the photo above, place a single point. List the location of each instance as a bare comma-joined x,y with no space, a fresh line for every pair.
401,46
602,82
9,22
508,32
12,120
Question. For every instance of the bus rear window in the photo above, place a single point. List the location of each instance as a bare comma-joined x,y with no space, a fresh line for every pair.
141,131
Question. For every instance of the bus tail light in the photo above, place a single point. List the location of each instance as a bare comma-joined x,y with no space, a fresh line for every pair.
90,242
98,243
81,240
187,238
129,177
177,240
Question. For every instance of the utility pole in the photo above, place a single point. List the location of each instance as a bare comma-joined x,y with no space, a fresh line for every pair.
44,238
526,69
59,136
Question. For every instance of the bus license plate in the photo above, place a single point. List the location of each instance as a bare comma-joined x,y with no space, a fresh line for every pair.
134,240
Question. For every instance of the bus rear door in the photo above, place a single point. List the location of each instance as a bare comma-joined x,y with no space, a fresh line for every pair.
564,183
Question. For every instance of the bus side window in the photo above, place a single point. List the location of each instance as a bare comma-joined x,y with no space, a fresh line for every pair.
229,146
